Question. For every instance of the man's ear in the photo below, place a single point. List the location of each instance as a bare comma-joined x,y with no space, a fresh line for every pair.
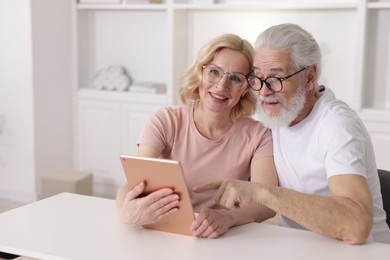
311,77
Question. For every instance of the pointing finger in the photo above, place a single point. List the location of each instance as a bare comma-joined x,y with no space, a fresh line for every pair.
208,186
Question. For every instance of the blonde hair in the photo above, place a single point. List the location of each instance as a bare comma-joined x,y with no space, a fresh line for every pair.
191,78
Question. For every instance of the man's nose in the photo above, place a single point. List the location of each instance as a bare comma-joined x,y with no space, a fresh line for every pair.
265,91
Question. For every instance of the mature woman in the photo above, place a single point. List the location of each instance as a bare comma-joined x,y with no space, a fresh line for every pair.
213,135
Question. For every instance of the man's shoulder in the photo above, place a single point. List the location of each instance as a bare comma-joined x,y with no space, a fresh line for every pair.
331,107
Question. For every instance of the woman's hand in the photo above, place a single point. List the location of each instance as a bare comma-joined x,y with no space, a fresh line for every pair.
149,209
211,223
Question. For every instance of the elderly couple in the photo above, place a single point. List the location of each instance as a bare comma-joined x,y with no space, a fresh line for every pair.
309,157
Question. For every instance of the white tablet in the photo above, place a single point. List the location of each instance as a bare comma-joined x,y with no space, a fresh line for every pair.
158,174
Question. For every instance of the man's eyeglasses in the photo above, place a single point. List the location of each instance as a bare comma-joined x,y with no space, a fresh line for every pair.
273,83
214,74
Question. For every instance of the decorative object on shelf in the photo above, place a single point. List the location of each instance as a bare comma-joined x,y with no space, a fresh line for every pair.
148,88
99,1
113,78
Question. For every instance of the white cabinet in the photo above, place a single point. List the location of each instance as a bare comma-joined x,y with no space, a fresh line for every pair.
156,42
99,136
109,125
374,77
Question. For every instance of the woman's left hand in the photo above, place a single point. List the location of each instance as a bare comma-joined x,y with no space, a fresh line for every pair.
211,223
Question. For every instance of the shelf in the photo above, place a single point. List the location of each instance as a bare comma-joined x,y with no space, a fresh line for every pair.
379,5
248,6
375,115
124,7
132,97
264,5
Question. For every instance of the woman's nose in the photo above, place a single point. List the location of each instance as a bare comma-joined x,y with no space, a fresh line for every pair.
223,82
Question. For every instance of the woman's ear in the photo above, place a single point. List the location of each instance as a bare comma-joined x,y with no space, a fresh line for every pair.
245,91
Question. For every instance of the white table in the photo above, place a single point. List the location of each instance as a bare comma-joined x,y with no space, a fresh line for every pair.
70,226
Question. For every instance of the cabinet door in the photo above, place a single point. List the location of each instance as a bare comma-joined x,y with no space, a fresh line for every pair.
378,127
99,138
134,118
107,129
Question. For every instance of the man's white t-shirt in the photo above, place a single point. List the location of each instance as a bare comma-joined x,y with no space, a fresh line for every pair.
331,141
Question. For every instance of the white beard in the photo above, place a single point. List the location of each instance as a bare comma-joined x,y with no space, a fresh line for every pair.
289,112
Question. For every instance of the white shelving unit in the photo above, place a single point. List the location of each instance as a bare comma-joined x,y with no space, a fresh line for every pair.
375,77
156,42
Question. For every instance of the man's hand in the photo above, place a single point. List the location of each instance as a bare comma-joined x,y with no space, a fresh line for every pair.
231,193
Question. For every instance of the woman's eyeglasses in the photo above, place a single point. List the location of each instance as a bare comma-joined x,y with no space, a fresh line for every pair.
214,74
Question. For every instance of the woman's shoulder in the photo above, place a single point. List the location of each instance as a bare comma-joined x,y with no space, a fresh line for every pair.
249,126
251,123
171,110
252,132
172,113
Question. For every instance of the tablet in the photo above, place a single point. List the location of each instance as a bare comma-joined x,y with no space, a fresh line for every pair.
158,174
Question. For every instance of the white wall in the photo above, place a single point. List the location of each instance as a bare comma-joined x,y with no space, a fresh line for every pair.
51,39
35,99
248,25
17,165
337,33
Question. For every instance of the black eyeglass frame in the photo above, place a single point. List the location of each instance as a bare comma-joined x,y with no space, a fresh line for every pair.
264,81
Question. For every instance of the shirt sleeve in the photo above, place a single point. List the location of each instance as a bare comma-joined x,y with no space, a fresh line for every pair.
343,146
154,132
265,144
